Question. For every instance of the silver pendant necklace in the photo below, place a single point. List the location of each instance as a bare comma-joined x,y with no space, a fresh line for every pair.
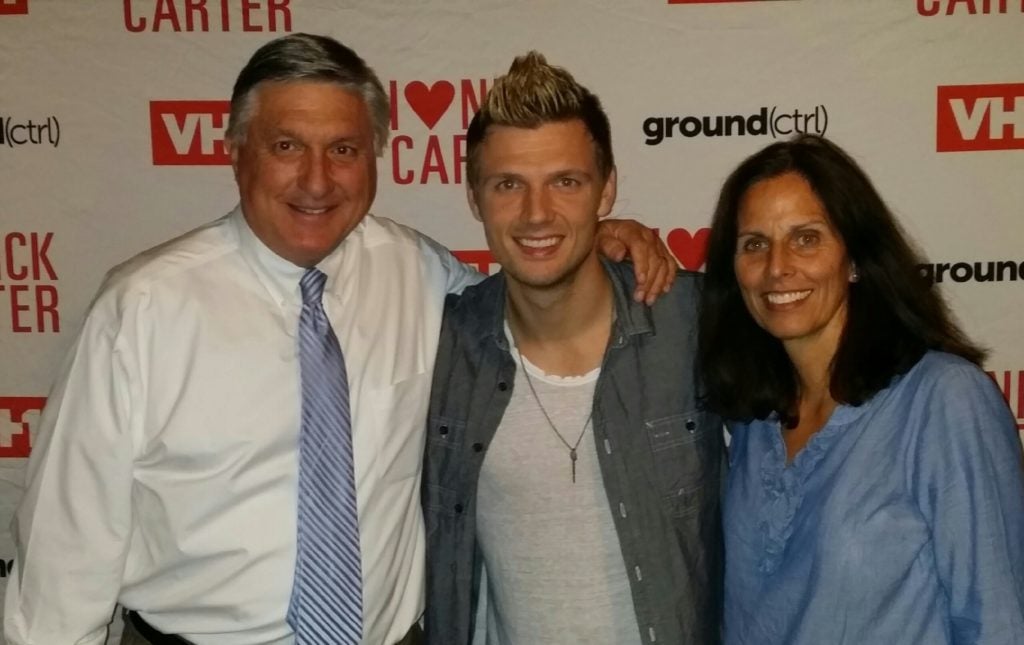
572,448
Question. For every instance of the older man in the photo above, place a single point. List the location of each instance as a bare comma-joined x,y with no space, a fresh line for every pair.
234,447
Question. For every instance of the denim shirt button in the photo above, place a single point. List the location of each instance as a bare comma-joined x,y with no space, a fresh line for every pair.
477,447
443,430
502,385
458,508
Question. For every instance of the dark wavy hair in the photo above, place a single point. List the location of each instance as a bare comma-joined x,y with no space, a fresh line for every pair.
893,315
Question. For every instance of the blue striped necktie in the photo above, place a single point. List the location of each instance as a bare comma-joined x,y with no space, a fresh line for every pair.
327,600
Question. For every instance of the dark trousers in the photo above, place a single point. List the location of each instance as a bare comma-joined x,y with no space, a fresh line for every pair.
139,632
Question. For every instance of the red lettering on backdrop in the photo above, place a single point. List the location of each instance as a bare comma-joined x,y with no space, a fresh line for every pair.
188,133
165,11
17,306
129,24
195,8
32,307
38,263
21,298
400,177
426,158
13,7
16,421
971,7
46,308
247,8
471,99
166,15
433,162
980,117
14,273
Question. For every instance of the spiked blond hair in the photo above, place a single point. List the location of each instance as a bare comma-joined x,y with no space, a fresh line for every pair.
531,94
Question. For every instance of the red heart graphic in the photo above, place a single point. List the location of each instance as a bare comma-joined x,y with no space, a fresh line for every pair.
431,103
690,250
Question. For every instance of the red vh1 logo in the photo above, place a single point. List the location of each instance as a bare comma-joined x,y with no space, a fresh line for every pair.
17,416
980,117
13,7
189,133
422,158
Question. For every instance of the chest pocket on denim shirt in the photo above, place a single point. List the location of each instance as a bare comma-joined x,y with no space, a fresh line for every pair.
680,452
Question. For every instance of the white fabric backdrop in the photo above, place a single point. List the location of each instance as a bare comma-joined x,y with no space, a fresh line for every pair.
111,113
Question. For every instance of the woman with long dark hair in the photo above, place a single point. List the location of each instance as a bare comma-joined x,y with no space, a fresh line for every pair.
876,485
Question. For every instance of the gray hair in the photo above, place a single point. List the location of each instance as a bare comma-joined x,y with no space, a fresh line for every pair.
307,57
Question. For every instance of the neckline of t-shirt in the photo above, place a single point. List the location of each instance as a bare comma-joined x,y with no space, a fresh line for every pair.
539,374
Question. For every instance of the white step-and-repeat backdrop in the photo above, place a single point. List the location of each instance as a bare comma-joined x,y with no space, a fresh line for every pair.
112,114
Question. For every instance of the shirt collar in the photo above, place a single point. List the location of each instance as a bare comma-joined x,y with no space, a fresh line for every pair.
631,318
279,276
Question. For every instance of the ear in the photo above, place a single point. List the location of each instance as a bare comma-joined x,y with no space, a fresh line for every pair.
608,194
232,148
471,199
854,273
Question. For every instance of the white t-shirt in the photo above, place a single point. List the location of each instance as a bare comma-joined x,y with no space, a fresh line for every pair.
555,572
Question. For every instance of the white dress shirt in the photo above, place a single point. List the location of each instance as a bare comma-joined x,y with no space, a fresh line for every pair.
165,472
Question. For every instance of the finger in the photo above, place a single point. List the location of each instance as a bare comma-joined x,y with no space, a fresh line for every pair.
659,278
641,255
673,270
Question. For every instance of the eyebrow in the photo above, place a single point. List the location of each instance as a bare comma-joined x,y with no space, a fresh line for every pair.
815,222
564,172
292,134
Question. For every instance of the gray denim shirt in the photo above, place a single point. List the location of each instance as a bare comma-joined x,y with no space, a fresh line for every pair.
661,457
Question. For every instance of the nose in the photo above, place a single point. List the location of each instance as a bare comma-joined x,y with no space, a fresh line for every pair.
779,261
314,175
537,205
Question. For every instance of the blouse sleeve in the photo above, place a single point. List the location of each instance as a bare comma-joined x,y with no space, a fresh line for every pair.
968,480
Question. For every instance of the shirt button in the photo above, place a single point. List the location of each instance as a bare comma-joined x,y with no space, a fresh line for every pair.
477,447
638,574
622,509
607,447
502,385
443,430
691,425
458,508
650,632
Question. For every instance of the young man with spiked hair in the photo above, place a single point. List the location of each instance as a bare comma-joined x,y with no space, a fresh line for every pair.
571,482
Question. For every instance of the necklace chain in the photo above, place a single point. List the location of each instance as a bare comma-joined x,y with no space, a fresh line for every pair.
572,449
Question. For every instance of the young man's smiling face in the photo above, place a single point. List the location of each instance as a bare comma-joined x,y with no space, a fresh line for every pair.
540,195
